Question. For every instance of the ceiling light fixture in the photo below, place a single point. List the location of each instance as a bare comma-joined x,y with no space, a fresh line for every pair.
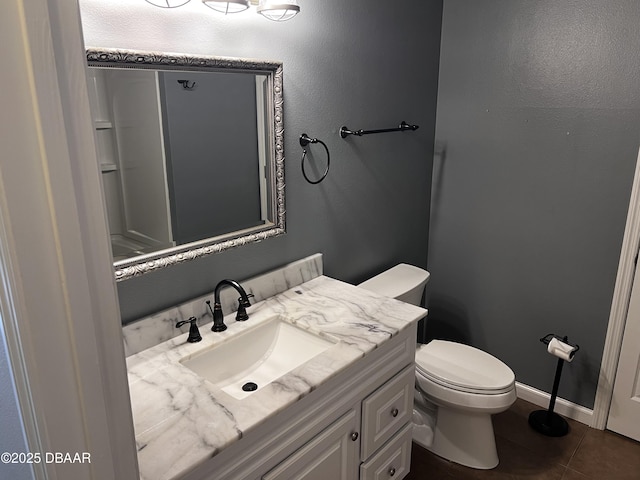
168,3
276,10
228,6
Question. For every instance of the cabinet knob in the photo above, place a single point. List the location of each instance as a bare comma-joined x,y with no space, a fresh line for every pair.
354,436
392,472
394,412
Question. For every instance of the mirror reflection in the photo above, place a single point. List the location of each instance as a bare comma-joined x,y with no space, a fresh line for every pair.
188,155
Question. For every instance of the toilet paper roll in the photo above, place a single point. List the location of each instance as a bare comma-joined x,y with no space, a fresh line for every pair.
561,350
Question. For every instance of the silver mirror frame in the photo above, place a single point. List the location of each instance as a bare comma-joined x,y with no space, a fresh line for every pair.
129,268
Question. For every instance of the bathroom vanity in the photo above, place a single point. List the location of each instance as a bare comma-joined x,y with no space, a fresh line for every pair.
343,413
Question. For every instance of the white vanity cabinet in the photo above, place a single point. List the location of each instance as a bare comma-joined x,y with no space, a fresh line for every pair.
355,426
383,436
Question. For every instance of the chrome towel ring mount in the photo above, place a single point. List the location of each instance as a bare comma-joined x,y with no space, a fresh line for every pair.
305,140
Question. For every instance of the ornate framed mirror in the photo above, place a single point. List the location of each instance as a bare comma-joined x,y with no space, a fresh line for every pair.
191,151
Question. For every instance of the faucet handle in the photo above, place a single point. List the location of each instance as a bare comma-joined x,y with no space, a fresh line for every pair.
194,333
243,303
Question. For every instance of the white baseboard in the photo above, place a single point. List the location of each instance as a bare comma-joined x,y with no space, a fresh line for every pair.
562,406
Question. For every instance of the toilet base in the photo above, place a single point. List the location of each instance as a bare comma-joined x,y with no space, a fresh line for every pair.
422,428
466,438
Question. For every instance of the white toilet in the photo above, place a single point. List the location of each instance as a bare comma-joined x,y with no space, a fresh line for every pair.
458,387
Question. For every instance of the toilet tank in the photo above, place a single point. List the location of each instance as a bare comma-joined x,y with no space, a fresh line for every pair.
403,282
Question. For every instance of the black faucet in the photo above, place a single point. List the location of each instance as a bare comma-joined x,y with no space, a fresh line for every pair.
243,303
194,333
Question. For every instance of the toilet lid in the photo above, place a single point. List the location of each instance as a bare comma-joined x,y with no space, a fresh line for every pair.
463,367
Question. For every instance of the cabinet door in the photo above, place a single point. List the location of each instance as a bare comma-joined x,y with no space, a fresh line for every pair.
333,454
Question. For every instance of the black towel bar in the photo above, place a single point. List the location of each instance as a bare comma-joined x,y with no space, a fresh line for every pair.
344,131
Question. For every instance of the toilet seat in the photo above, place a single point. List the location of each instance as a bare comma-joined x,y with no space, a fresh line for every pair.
463,368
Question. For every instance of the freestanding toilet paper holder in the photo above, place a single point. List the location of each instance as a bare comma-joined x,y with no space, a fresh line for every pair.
547,421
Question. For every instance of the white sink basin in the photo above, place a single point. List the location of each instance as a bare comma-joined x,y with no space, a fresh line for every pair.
258,356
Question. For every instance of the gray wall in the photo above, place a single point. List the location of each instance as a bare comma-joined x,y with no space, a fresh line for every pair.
361,63
12,435
537,136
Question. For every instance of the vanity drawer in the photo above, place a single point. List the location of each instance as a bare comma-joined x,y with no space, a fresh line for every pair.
386,410
393,461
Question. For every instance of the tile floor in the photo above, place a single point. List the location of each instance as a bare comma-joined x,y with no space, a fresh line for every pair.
583,454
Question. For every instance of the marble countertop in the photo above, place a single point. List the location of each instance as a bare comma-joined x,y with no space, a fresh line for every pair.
181,420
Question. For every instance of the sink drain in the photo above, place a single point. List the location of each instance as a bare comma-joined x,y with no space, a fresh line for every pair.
250,387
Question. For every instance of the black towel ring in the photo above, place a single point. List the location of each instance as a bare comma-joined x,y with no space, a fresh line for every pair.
304,141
